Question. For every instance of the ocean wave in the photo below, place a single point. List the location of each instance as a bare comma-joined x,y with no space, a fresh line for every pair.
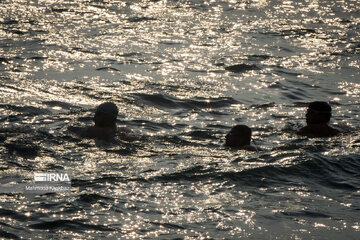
26,110
7,235
15,215
332,173
172,102
240,68
69,225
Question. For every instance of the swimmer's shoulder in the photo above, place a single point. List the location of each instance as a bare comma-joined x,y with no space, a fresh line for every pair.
251,148
304,131
318,130
333,131
97,132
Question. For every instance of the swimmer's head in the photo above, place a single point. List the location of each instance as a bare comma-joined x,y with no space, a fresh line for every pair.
318,113
239,136
106,114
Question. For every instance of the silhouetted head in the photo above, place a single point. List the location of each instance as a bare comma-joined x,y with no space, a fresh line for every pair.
318,113
105,115
239,136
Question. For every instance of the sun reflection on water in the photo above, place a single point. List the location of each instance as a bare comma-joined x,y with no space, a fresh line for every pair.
163,63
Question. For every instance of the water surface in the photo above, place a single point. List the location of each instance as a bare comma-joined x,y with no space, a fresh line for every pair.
164,64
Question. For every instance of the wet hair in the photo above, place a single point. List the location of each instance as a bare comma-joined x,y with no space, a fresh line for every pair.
242,129
108,108
242,133
321,108
106,114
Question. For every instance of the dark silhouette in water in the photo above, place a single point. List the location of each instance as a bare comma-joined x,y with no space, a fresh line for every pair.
240,137
105,125
239,68
105,122
317,118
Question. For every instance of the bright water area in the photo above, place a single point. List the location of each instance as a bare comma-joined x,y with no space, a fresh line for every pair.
163,63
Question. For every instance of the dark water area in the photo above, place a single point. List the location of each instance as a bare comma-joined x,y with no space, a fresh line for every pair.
182,73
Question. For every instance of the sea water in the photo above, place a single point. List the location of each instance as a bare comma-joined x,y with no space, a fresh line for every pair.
163,62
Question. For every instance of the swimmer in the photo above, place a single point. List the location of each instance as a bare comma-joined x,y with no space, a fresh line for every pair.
105,122
240,137
317,118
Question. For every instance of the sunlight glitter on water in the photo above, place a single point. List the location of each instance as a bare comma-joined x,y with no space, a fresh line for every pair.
164,64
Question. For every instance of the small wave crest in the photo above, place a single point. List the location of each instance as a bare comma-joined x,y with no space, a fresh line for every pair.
331,173
69,225
171,102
